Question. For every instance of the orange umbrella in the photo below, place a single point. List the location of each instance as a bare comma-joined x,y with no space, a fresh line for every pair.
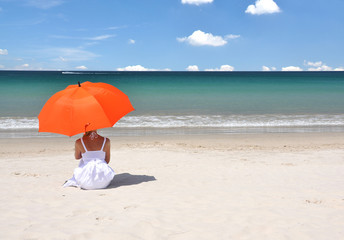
83,107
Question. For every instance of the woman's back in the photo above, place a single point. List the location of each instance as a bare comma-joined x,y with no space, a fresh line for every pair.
93,154
95,144
92,142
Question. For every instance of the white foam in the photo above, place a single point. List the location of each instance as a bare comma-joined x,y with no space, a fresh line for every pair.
232,121
18,123
209,121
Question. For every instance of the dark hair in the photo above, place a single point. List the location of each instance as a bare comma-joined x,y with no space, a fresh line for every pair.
89,132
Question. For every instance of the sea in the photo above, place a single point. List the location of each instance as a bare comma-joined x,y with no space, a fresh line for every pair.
168,103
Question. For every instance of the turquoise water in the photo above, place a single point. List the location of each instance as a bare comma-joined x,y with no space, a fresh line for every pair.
218,100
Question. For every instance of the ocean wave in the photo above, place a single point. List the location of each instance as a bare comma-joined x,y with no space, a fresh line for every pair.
199,121
232,121
18,123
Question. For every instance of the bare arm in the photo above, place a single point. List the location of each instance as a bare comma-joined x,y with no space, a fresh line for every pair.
78,152
107,150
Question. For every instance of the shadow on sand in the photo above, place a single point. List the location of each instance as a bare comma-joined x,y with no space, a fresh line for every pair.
126,179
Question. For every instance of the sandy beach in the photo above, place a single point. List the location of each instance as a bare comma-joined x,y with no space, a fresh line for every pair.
261,186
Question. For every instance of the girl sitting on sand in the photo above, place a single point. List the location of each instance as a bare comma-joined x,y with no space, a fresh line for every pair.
93,171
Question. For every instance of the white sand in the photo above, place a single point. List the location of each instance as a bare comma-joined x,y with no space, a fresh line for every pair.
266,186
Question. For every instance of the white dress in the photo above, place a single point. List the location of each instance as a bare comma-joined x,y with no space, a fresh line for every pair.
93,172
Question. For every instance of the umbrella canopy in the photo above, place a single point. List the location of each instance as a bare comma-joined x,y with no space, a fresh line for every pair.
83,107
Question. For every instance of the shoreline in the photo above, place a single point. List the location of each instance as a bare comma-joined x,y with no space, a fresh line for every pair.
227,142
267,139
185,131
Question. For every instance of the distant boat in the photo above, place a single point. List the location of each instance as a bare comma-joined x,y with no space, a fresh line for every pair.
90,72
71,73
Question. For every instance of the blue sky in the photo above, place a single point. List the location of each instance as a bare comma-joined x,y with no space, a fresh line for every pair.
177,35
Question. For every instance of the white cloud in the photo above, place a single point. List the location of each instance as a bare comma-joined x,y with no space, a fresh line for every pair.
99,38
44,4
321,68
314,64
96,38
265,68
131,41
112,28
291,68
133,68
3,52
140,68
196,2
199,38
115,27
25,66
81,67
192,68
68,54
2,66
317,66
231,36
224,68
263,7
62,59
